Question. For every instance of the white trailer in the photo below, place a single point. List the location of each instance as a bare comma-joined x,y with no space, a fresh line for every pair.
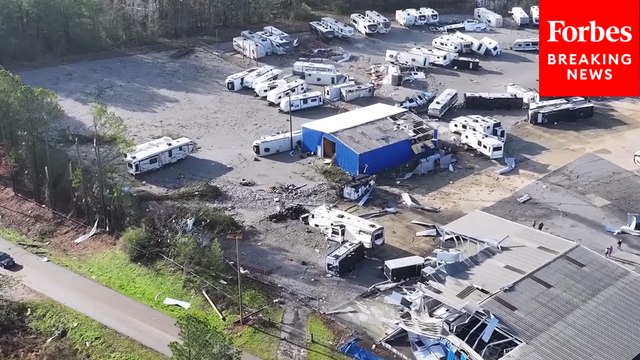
384,25
233,82
261,90
435,56
325,78
432,16
535,15
350,93
419,17
249,48
470,25
272,74
520,16
532,44
301,101
483,124
448,43
445,101
157,153
364,25
277,143
249,80
341,226
402,58
405,18
274,31
529,96
488,17
332,93
321,31
493,47
484,144
301,67
476,45
417,101
341,29
275,96
258,39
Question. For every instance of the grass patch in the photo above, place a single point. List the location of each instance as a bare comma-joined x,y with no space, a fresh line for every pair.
47,317
323,346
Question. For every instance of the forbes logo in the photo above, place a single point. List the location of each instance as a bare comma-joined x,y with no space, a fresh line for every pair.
592,33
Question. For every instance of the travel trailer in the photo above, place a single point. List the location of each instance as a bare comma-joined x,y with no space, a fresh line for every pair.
344,258
488,17
249,80
261,90
447,43
432,16
157,153
272,74
403,268
364,25
384,25
445,101
332,93
417,101
325,78
526,44
484,144
233,82
435,56
493,48
407,59
553,111
529,96
419,17
476,45
274,144
259,39
284,40
405,18
492,101
249,48
301,67
535,15
275,96
301,101
470,25
520,16
321,31
394,75
341,29
465,63
341,226
350,93
483,124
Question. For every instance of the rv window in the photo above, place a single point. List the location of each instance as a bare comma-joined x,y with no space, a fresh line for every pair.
304,101
314,100
130,165
153,160
180,148
318,79
484,146
267,150
137,168
170,153
479,143
497,148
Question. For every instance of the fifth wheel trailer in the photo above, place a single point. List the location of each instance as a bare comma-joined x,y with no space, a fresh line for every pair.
249,48
332,93
325,78
520,16
341,226
553,111
341,29
364,25
301,101
344,258
275,96
410,59
492,101
233,82
321,31
274,144
384,25
248,80
535,15
350,93
489,17
155,154
483,124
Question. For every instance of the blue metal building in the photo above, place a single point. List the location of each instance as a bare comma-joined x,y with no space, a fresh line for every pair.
370,139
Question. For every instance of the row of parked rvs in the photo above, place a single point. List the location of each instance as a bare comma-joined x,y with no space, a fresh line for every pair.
329,28
518,14
270,40
417,17
484,134
371,22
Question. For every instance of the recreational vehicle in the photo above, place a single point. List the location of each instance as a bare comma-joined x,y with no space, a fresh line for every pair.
493,48
529,96
445,101
484,144
417,101
332,93
384,25
274,144
435,56
325,78
285,39
394,75
465,63
405,18
363,25
447,43
301,101
301,67
344,258
341,226
535,15
341,29
278,45
321,31
262,89
155,154
272,74
233,82
258,39
471,25
419,17
483,124
553,111
404,268
407,59
492,101
275,96
432,16
488,17
526,44
476,45
249,80
249,48
350,93
520,16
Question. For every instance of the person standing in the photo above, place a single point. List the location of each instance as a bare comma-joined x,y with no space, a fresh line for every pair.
620,244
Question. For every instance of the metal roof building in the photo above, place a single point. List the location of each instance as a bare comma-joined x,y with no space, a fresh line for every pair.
369,139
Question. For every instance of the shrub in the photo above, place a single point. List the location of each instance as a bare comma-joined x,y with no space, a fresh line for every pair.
138,244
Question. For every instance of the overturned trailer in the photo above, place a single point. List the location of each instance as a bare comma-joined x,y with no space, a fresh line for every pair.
465,63
341,227
344,258
492,101
553,111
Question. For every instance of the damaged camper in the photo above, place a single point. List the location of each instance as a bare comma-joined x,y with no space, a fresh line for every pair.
558,110
407,59
492,101
384,25
341,226
233,82
363,24
483,124
277,143
340,29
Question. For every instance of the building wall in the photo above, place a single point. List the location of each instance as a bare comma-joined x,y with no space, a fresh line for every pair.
386,157
311,139
346,158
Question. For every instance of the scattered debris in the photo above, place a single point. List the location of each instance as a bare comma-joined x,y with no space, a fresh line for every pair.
358,187
323,54
413,204
524,198
428,232
293,212
215,308
45,259
632,227
352,349
86,236
247,182
511,164
190,222
182,304
382,212
58,335
182,53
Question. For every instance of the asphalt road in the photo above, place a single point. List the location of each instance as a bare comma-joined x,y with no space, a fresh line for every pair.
116,311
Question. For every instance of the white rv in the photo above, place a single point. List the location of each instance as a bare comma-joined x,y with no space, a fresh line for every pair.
483,124
526,44
272,74
275,96
493,48
471,25
476,45
325,78
258,39
417,101
520,16
301,67
445,101
435,56
249,48
384,25
529,96
301,101
285,38
407,59
405,18
488,17
350,93
321,31
341,29
420,17
535,15
233,82
332,93
262,89
448,43
432,16
363,25
341,226
155,154
484,144
274,144
249,80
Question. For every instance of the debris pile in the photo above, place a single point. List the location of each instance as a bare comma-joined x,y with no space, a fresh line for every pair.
322,54
286,188
289,213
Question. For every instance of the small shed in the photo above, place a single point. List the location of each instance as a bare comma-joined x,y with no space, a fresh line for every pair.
370,139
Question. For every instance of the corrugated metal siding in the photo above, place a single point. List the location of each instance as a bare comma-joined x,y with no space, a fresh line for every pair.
346,158
311,139
386,157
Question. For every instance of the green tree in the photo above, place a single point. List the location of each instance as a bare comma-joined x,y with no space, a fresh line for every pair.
201,341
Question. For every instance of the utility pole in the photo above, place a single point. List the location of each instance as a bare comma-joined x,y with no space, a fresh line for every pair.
237,237
290,124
